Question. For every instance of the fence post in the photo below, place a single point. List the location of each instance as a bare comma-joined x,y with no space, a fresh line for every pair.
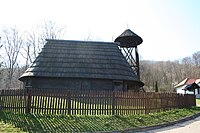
161,102
28,104
194,100
146,103
113,103
1,100
68,102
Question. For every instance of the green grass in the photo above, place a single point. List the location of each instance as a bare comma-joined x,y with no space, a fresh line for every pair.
5,127
198,102
90,123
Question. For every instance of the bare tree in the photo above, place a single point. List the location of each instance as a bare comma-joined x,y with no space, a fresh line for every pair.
12,43
50,30
1,63
187,67
196,58
36,38
31,47
0,55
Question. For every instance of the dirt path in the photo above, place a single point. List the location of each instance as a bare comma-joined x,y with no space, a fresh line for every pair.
192,126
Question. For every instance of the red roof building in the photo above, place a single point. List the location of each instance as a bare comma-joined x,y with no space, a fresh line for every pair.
187,81
183,85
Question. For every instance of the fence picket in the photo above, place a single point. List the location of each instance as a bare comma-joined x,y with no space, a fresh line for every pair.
91,102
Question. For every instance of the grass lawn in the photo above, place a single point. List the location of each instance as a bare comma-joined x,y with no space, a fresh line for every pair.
5,127
198,102
90,123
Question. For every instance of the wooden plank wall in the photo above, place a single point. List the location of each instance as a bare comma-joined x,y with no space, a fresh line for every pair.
91,102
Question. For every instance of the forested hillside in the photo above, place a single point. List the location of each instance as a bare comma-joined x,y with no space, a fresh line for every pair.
169,73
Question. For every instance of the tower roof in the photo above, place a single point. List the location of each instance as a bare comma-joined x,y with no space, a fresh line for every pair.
129,39
81,59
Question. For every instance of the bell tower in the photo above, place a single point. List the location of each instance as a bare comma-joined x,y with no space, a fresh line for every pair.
128,42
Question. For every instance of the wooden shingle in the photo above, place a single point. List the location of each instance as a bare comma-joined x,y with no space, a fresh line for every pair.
81,59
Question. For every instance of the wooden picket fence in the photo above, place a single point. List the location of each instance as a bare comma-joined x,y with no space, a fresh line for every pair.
46,101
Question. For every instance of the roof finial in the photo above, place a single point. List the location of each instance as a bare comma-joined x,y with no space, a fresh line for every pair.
127,26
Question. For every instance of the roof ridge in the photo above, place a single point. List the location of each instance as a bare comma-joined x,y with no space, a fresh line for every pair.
78,41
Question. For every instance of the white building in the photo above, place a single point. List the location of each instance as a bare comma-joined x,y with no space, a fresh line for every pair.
180,87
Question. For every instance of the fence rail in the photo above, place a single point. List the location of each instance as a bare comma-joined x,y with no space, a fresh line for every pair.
91,102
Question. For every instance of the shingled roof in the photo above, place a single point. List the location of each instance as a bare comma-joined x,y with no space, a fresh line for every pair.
81,59
129,39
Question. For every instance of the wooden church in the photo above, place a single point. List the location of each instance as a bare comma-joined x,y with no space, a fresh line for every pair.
85,65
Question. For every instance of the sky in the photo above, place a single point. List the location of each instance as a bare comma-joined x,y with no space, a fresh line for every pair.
170,29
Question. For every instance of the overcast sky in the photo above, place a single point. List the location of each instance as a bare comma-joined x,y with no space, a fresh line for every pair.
170,28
